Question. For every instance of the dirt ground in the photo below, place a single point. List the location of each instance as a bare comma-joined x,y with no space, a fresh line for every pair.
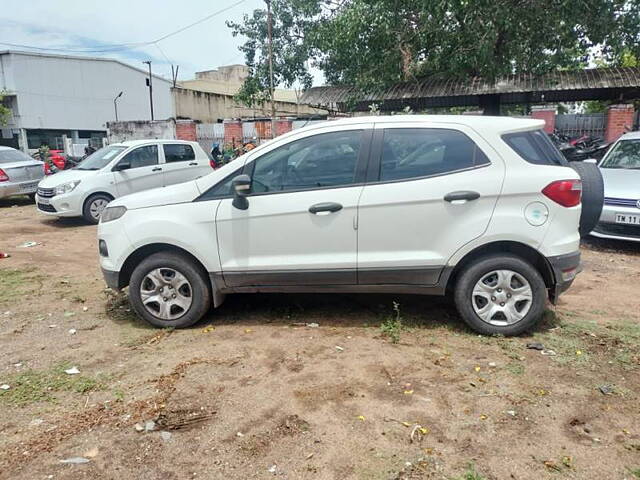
253,392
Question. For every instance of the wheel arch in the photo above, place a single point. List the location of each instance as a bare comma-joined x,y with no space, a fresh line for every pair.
135,257
530,254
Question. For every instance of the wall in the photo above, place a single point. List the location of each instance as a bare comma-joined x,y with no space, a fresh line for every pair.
210,107
619,121
140,130
63,92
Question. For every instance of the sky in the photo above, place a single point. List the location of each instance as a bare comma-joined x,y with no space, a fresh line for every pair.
90,24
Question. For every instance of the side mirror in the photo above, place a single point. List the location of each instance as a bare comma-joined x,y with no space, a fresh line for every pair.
241,186
122,166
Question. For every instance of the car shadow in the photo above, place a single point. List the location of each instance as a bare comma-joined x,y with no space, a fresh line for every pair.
611,246
65,222
20,201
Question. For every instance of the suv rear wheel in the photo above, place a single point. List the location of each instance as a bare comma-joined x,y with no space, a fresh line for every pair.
500,294
168,289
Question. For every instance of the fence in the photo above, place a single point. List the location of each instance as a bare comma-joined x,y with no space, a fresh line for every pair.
575,125
209,133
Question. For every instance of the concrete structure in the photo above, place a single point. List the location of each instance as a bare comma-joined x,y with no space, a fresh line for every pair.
55,95
619,121
209,98
546,113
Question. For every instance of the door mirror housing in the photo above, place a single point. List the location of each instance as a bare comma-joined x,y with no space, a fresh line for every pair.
123,165
241,186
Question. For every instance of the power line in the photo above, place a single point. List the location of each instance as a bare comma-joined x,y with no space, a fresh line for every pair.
122,46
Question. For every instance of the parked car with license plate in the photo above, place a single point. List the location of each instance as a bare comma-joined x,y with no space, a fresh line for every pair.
19,173
620,219
117,170
485,208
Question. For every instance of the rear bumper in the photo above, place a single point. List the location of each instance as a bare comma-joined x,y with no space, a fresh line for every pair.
617,231
565,269
18,188
112,279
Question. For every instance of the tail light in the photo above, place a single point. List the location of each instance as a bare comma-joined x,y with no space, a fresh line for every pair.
212,162
3,176
567,193
47,169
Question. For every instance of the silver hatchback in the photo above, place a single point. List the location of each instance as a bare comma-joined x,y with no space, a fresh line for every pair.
19,173
620,219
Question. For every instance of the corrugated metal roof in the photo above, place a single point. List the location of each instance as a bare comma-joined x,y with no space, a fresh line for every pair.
512,88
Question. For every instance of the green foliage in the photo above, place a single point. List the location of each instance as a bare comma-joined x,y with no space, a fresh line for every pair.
470,474
378,42
14,283
39,385
393,325
5,112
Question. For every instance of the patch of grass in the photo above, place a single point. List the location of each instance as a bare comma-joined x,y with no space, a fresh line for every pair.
40,385
14,283
392,326
635,472
470,474
515,368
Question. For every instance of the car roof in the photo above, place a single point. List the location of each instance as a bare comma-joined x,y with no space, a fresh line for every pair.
480,122
630,136
135,143
6,148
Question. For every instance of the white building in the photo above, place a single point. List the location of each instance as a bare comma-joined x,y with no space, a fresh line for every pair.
55,95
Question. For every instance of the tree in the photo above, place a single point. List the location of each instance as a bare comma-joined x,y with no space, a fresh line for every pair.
5,112
379,42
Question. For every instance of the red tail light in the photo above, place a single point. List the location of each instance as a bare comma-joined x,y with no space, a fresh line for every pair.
567,193
212,163
47,169
3,176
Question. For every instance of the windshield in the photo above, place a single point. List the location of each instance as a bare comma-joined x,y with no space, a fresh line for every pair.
10,156
101,158
625,154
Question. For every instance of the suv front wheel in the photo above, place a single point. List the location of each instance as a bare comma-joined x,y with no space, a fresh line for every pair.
500,294
168,289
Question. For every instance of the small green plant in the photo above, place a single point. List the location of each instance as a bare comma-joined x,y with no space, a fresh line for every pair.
470,474
635,472
515,368
392,326
13,283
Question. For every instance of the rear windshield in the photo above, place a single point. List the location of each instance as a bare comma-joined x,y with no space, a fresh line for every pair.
535,147
10,156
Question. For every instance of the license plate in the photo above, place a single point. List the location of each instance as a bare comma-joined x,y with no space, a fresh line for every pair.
43,201
29,187
628,219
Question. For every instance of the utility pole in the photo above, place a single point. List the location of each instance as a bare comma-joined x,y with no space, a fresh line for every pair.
150,85
115,104
271,90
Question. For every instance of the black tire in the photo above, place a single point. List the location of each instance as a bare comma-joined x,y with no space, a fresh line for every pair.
476,270
89,203
32,197
200,288
592,195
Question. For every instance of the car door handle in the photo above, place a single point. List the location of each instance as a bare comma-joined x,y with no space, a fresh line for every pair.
461,196
156,169
326,208
193,163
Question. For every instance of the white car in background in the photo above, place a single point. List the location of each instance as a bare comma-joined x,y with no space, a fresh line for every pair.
117,170
483,207
620,218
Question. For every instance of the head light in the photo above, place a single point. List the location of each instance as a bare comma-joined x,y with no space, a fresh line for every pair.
112,213
67,187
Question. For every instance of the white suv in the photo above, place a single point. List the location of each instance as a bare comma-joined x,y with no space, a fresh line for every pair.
483,207
117,170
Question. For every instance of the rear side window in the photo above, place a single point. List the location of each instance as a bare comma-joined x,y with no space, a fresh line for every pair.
421,152
178,152
534,147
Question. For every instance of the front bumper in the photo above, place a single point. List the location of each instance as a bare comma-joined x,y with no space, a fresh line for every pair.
565,269
18,188
608,228
69,205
